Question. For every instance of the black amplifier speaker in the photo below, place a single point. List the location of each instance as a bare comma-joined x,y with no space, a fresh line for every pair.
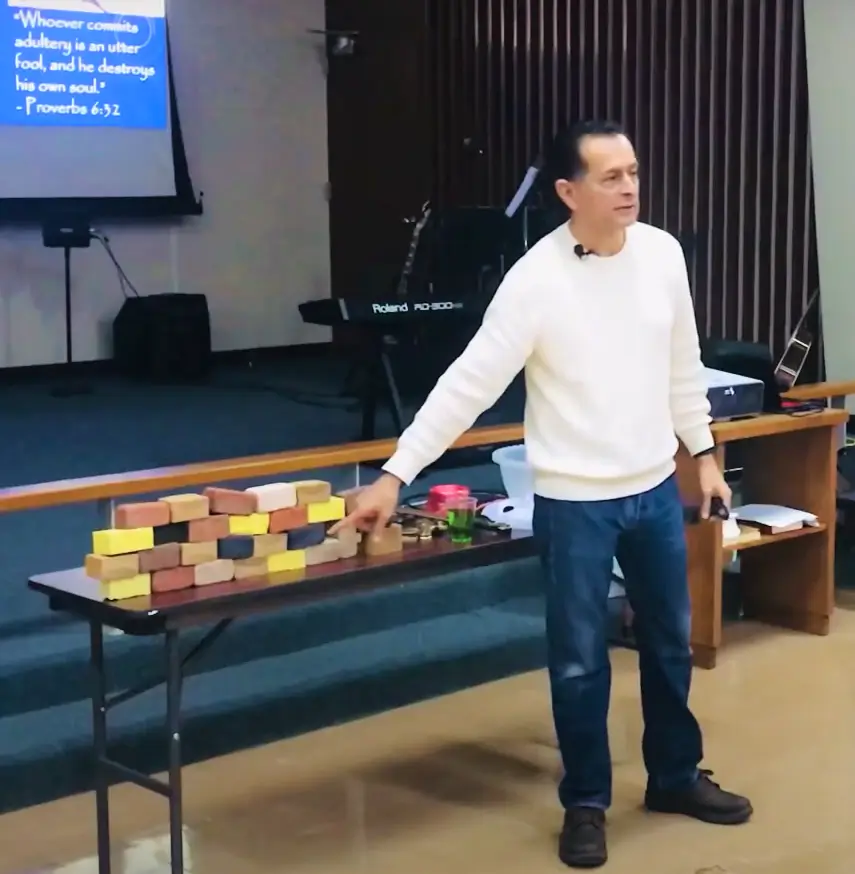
163,338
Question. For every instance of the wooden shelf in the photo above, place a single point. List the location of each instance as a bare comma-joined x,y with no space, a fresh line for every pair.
785,460
767,539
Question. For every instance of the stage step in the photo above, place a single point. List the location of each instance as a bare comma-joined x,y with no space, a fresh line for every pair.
45,754
50,667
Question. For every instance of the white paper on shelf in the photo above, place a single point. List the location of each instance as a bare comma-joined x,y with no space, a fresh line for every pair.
774,515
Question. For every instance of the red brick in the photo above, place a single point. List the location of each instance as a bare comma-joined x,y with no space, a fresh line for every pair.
142,515
288,520
173,579
210,528
231,501
160,558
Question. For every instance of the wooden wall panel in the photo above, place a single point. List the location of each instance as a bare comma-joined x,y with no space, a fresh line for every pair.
714,95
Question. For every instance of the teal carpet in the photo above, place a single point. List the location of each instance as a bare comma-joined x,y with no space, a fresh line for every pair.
268,677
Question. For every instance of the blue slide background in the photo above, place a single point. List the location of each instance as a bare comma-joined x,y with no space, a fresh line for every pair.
124,100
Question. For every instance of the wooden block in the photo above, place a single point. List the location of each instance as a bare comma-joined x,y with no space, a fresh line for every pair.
132,587
313,491
220,571
292,560
288,520
120,541
257,523
148,514
172,579
328,511
236,547
310,535
161,558
348,541
198,553
209,528
110,568
175,532
183,508
250,567
385,542
231,502
274,496
269,544
323,553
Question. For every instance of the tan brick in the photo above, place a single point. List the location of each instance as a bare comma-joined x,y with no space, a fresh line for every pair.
183,508
323,553
109,568
384,542
313,491
348,540
250,567
212,572
198,553
268,544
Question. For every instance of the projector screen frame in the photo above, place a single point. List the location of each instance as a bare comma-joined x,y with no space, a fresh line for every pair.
185,203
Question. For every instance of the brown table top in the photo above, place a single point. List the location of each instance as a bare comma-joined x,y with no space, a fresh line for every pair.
74,592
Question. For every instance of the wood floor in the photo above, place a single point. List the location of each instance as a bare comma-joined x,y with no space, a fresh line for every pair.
466,784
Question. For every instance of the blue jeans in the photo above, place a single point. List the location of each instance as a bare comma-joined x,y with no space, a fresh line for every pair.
578,541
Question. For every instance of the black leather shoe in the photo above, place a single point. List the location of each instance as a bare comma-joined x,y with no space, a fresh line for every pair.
703,800
583,839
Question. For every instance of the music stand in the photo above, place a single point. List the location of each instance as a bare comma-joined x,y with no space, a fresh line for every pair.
67,232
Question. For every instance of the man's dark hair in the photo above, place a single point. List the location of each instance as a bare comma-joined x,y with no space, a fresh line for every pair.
564,160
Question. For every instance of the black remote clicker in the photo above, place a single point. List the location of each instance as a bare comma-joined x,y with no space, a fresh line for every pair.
718,510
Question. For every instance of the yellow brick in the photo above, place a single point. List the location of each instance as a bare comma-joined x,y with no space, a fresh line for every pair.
257,523
292,560
329,511
116,541
121,590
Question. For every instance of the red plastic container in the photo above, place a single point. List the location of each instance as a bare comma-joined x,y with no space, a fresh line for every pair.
438,495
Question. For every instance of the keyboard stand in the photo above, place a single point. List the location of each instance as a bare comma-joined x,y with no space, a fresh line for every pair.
379,377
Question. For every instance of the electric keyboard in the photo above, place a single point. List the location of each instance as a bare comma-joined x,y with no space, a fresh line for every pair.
333,311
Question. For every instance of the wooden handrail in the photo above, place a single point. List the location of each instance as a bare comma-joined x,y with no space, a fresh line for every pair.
820,390
168,479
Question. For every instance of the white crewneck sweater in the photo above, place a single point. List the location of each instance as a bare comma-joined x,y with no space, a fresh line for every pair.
612,369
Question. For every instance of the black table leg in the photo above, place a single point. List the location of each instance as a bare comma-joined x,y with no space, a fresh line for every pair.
173,726
98,681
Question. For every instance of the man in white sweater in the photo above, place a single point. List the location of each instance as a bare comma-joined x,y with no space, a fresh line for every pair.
599,316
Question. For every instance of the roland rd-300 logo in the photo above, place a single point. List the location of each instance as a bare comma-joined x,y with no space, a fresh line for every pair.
389,309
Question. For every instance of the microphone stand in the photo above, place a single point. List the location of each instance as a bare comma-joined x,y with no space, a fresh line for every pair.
68,235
